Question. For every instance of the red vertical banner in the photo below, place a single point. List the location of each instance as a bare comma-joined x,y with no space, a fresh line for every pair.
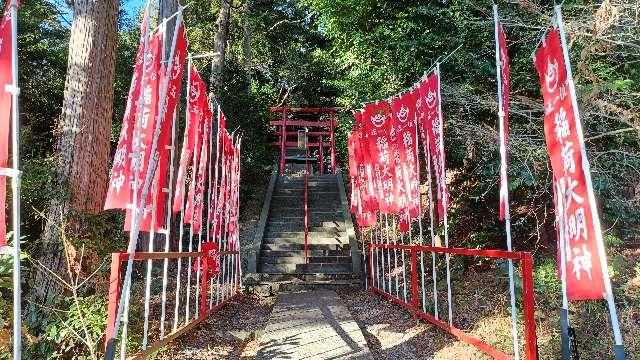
6,79
376,121
432,128
575,214
122,179
505,85
404,125
146,124
368,200
353,173
201,178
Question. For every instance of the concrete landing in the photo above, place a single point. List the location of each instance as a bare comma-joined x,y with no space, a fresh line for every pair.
312,325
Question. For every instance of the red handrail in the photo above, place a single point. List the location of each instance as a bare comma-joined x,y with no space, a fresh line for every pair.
306,203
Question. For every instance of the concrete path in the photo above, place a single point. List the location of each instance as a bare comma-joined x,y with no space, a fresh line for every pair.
312,325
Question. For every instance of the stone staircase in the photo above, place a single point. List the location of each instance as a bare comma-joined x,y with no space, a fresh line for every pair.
280,262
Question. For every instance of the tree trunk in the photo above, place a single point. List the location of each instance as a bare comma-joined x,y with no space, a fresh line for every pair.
247,43
166,9
220,47
83,130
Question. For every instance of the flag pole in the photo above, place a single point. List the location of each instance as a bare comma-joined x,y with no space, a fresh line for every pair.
445,199
135,230
619,347
504,190
420,215
432,231
15,183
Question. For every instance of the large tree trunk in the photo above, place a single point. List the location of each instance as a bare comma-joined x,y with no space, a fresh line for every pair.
247,42
83,130
166,9
220,47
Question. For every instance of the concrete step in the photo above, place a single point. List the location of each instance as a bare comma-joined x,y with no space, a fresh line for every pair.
292,235
316,249
298,258
321,268
270,288
255,278
334,224
300,240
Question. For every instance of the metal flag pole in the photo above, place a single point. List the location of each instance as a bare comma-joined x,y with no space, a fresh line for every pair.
374,235
135,230
504,191
216,197
386,224
181,232
210,191
123,309
433,235
152,233
14,89
619,347
238,257
420,215
564,313
445,200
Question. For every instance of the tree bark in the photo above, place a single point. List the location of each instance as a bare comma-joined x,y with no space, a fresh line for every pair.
247,42
220,47
83,130
166,9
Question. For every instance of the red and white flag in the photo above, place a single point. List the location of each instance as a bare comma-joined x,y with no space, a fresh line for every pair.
201,178
197,103
577,215
122,178
368,199
404,135
505,82
6,79
432,127
353,173
376,121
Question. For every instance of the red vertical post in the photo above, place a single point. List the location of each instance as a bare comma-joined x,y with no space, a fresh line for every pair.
320,151
114,295
531,349
333,150
283,139
203,285
414,277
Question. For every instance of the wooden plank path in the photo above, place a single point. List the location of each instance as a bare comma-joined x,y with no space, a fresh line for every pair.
312,325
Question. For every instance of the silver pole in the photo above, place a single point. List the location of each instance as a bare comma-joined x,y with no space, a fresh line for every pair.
432,230
445,200
564,315
133,238
15,183
181,235
420,215
619,347
504,190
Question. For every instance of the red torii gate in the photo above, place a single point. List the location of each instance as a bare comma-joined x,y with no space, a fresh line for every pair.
323,126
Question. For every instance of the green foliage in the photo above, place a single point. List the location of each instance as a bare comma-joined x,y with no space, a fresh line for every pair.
6,266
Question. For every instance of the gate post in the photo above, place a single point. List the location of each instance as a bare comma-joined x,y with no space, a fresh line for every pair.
283,139
333,142
528,302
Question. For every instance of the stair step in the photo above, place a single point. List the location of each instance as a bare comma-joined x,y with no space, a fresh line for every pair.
323,249
316,241
321,268
298,258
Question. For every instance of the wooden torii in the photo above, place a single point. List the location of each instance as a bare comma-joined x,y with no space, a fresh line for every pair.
321,130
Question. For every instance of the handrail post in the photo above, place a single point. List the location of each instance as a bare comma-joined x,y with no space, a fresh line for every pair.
528,302
306,204
283,140
414,277
333,142
320,157
114,295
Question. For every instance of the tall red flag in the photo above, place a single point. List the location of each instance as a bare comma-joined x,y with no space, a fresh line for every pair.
6,79
376,121
505,83
432,127
404,126
576,214
122,178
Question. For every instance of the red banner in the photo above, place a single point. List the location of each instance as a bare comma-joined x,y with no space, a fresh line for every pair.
122,179
197,94
404,139
376,121
368,199
198,199
353,173
432,128
6,72
505,84
576,215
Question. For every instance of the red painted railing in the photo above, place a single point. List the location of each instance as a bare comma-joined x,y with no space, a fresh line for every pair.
412,302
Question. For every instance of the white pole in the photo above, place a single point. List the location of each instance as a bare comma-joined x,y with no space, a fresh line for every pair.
181,233
504,190
432,230
564,315
445,200
619,347
135,230
424,298
15,183
239,258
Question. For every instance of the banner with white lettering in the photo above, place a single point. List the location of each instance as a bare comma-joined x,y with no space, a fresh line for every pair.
505,85
6,55
584,274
